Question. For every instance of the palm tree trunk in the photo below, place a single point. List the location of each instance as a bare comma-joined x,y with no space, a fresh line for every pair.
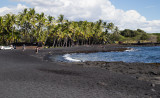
67,42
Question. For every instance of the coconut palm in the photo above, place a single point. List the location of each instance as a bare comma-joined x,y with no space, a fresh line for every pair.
9,23
1,25
61,19
110,26
13,24
32,22
2,29
30,26
50,24
24,25
40,31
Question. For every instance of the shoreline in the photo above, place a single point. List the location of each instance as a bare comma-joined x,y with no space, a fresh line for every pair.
89,79
92,49
142,71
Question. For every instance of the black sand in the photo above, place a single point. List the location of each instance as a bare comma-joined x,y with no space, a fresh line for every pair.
29,75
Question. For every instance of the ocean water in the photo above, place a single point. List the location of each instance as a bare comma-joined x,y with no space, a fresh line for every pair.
133,54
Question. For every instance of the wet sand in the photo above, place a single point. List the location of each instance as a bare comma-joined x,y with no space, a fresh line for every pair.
30,75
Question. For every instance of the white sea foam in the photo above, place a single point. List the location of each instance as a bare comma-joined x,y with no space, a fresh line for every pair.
130,50
68,57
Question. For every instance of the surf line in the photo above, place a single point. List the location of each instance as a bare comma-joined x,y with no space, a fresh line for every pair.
68,57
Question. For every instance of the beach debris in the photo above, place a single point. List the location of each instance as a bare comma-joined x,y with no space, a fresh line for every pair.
102,83
153,90
153,85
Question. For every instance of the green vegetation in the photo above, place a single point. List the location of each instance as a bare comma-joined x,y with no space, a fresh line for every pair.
29,27
134,35
158,36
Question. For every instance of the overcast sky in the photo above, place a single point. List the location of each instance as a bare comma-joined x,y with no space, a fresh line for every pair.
126,14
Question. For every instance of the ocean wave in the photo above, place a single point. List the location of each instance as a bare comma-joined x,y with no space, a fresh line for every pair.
131,50
68,57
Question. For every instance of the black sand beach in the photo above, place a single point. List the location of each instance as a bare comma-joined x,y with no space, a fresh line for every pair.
30,75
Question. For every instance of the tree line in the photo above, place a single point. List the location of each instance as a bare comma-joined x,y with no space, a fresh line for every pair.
29,26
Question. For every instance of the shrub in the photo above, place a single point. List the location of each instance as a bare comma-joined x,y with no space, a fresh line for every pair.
158,39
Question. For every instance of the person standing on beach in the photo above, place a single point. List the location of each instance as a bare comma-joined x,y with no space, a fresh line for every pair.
37,49
23,48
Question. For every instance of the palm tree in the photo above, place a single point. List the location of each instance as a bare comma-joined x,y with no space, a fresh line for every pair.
98,32
32,21
50,26
13,24
40,32
2,29
115,35
9,23
73,32
61,19
31,26
83,32
24,25
1,25
110,26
